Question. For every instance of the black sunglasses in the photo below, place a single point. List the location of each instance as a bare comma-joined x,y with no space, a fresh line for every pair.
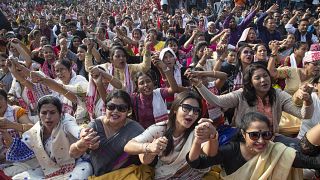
119,107
255,136
187,108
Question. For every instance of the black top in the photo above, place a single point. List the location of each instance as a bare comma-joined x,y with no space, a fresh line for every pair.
230,158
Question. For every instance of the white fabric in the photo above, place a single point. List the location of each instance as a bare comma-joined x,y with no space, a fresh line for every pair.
307,124
159,105
293,61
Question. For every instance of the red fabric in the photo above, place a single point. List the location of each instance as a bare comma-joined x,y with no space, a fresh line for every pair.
3,176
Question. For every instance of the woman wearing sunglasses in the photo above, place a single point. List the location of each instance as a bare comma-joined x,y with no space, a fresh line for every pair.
107,135
168,142
258,95
252,155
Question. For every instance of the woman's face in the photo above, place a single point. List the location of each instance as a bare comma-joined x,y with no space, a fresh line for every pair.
200,52
3,105
114,115
301,50
169,60
145,85
100,34
81,53
291,39
49,116
246,56
119,59
252,36
187,113
63,73
48,53
76,42
261,81
231,58
136,35
261,54
256,146
173,46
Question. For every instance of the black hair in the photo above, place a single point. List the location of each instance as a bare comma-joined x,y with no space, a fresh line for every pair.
120,94
4,94
304,19
72,48
171,125
298,44
139,74
246,121
114,48
83,47
315,80
195,58
49,99
65,63
138,30
248,90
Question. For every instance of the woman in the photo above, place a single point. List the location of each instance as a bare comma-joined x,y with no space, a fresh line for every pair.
5,74
117,74
69,87
74,44
260,52
248,37
295,59
258,95
81,53
47,63
49,141
107,135
287,47
13,120
243,60
23,91
252,155
171,140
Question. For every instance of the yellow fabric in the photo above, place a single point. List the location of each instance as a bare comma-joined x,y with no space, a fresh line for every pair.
133,172
272,164
159,46
214,174
20,112
289,124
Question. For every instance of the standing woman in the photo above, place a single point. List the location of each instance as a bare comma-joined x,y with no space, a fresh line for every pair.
49,141
170,141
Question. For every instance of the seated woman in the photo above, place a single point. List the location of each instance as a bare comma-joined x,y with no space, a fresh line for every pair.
49,141
252,155
169,141
107,136
13,120
69,87
258,95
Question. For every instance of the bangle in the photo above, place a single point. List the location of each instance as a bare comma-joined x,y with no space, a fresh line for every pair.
23,127
66,93
198,85
30,74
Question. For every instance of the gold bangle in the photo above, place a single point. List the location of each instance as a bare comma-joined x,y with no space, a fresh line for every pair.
197,86
66,93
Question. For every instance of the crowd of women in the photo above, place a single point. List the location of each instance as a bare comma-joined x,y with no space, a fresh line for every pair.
152,90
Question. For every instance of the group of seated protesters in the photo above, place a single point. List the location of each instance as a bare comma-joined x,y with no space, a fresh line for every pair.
133,91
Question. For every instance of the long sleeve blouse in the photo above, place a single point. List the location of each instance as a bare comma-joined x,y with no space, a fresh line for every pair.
236,99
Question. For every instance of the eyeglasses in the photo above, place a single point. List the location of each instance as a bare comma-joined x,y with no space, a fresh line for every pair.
187,108
248,52
255,136
119,107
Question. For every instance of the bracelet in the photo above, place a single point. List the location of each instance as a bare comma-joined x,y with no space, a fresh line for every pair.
198,85
66,93
23,127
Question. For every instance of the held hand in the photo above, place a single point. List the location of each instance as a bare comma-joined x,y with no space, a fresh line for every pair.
95,72
36,77
304,92
5,123
158,145
204,130
208,52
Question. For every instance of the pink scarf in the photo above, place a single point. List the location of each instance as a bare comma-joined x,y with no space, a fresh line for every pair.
48,71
